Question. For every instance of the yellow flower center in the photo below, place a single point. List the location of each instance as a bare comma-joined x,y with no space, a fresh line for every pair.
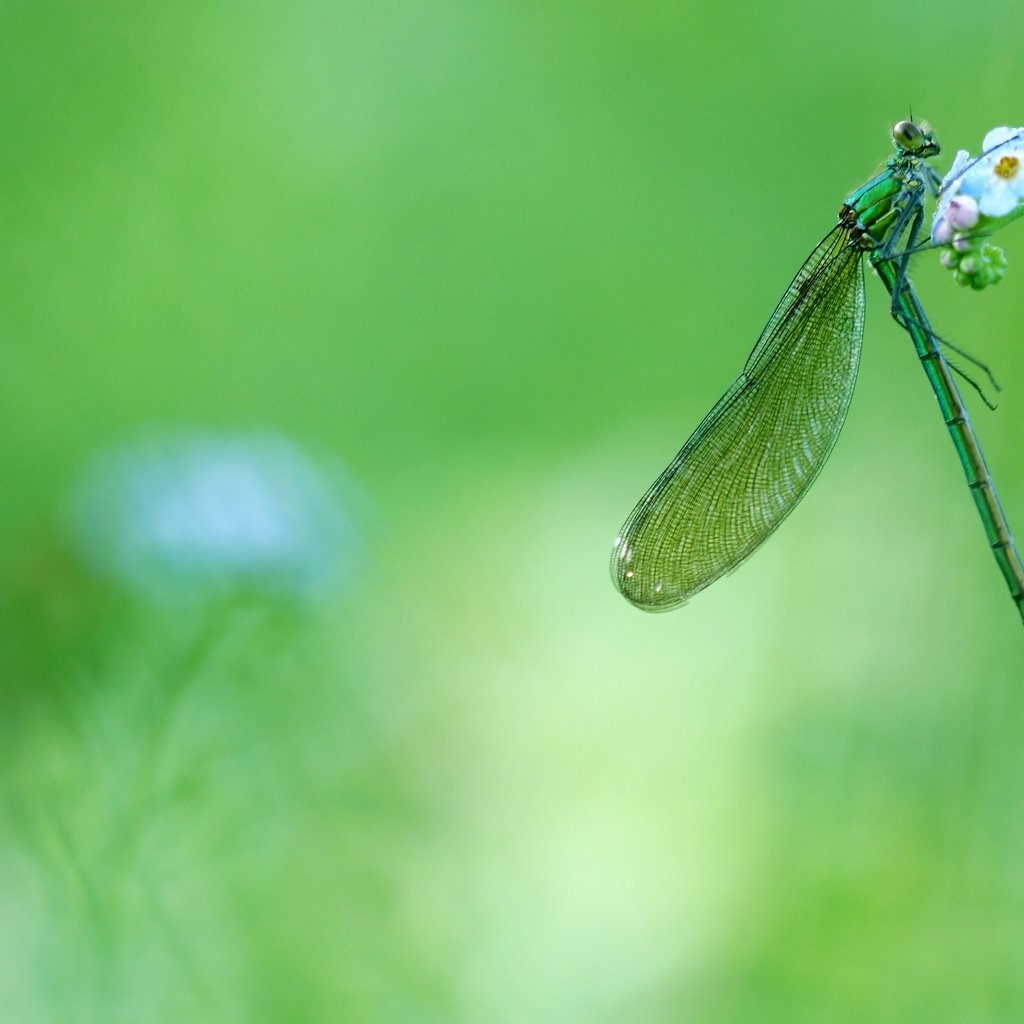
1008,167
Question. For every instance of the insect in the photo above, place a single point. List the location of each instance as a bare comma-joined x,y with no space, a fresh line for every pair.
756,453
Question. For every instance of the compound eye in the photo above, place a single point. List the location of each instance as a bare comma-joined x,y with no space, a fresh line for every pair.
908,136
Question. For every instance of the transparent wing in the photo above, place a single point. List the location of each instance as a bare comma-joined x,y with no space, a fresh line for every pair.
756,453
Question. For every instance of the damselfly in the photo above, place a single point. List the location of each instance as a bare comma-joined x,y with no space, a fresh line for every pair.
755,454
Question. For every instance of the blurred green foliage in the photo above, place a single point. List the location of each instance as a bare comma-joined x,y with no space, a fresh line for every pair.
498,259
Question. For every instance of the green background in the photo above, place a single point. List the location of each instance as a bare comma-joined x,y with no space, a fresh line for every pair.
498,259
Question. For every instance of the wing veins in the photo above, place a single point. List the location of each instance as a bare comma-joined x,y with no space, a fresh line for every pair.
752,458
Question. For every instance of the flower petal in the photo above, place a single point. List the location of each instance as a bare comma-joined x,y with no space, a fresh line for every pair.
999,136
997,201
960,161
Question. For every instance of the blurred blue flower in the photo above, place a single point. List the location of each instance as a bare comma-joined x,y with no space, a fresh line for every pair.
198,510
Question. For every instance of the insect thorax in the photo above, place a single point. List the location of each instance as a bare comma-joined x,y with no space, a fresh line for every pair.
878,207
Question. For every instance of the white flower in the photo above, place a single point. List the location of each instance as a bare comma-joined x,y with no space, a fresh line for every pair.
949,188
942,230
990,185
999,173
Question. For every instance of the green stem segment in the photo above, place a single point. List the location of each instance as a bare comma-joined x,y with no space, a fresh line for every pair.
954,412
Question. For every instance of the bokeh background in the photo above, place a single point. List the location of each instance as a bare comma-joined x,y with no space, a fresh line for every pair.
487,264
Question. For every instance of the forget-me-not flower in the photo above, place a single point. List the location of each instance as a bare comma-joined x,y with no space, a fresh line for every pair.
977,197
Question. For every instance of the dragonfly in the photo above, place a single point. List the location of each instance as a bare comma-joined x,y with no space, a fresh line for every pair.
759,449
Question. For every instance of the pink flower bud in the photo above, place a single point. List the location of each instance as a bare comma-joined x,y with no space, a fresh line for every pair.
942,232
962,213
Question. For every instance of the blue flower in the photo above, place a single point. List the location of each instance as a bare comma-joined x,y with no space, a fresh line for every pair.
197,510
999,173
976,195
942,231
